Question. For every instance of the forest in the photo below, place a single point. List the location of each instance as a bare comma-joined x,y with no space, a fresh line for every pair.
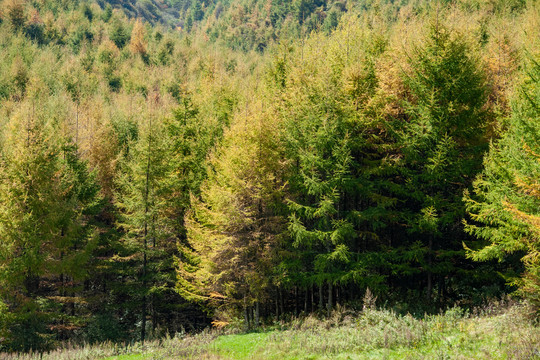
167,166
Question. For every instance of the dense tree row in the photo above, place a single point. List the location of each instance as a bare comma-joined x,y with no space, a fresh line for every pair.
103,139
504,203
153,180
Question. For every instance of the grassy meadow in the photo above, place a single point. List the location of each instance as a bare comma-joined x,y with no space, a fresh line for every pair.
493,332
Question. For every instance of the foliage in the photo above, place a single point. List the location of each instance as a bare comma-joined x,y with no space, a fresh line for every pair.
165,162
119,34
47,195
504,205
233,232
441,144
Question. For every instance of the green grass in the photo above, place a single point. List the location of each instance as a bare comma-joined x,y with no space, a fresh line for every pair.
242,346
372,334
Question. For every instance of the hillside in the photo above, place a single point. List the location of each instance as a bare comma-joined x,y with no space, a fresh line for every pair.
171,166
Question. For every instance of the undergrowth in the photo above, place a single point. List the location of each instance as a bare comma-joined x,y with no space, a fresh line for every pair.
498,331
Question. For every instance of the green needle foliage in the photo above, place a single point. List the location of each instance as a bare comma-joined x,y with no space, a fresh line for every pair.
141,200
47,196
322,163
165,163
441,144
504,206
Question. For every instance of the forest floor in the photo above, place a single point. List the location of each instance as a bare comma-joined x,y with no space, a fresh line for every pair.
372,334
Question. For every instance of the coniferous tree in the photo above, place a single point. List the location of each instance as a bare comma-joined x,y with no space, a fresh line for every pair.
118,33
137,43
140,198
15,11
442,145
505,203
190,143
192,140
335,151
318,222
47,197
347,173
234,229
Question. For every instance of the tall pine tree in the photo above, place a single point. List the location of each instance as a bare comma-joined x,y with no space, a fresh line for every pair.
441,144
46,197
234,229
505,203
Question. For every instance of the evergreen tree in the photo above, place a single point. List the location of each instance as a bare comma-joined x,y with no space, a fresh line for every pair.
47,195
107,13
15,11
140,199
118,33
137,43
234,229
192,140
442,145
336,148
319,223
190,143
505,203
197,12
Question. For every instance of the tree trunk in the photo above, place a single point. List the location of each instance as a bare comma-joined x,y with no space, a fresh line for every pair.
296,300
246,317
154,315
257,314
77,126
143,309
246,314
281,301
321,305
429,272
330,305
312,290
441,287
306,292
277,306
145,239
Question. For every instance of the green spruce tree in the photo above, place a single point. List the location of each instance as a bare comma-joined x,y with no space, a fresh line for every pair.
441,144
504,207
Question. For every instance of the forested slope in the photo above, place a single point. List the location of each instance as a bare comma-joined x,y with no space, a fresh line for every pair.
166,164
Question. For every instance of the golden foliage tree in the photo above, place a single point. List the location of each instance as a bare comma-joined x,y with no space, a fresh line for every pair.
14,9
137,44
